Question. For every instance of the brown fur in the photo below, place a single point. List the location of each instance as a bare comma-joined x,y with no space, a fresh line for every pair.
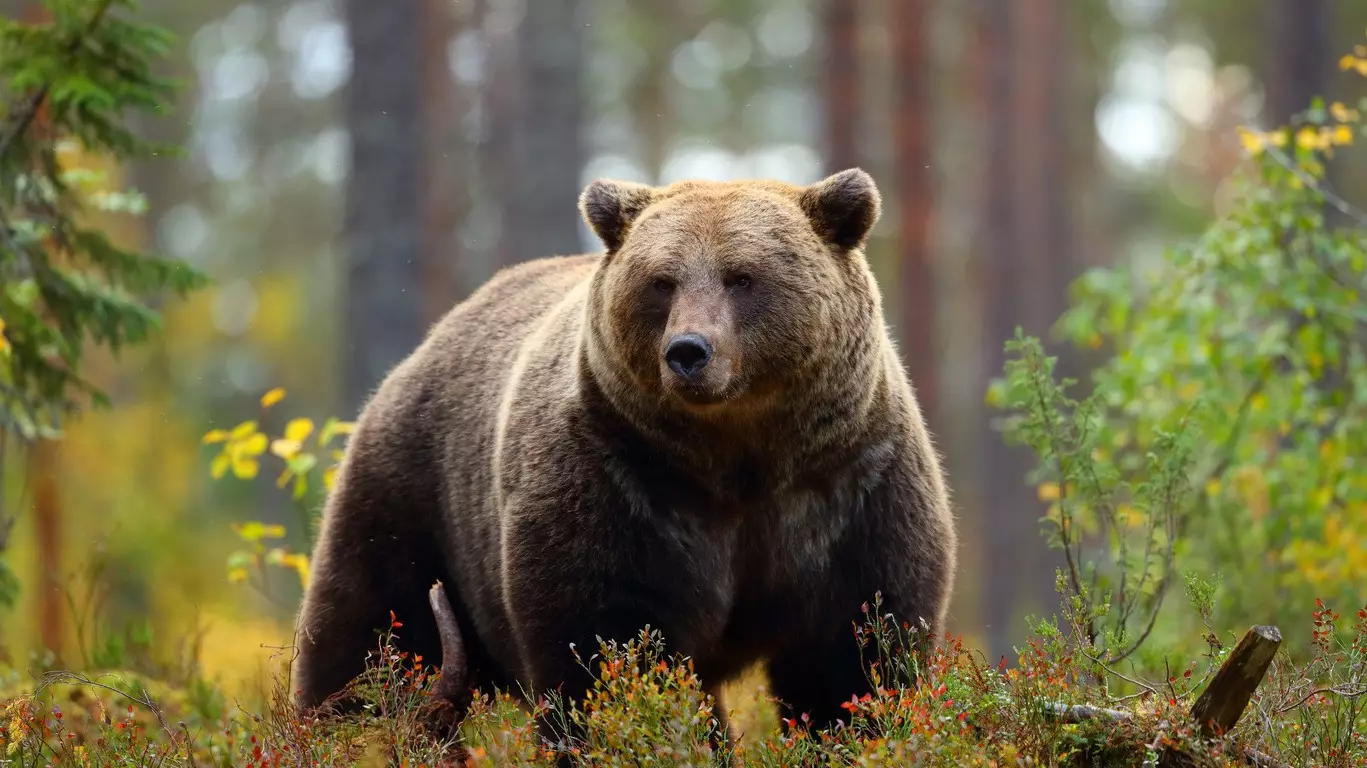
538,456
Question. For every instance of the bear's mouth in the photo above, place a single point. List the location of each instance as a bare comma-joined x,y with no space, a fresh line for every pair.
700,396
715,388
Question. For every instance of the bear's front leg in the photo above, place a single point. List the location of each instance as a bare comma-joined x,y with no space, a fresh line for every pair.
572,576
376,553
900,546
814,680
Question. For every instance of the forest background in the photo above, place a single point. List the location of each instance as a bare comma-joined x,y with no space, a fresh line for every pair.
353,168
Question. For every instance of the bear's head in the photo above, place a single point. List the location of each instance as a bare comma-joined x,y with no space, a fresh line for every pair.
714,296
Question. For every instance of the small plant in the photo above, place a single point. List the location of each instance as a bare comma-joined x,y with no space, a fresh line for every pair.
241,452
643,706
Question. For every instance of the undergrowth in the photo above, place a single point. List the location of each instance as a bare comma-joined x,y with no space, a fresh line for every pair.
943,706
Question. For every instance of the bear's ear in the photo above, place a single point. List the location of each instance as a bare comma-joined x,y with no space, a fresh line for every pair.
610,207
843,207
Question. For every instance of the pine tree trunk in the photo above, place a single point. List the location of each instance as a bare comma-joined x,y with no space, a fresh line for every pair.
548,148
383,301
840,26
913,107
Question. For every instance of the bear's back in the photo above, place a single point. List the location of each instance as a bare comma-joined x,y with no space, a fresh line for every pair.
448,394
467,361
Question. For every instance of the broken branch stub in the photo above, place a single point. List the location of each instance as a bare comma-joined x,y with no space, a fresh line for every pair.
451,686
1223,702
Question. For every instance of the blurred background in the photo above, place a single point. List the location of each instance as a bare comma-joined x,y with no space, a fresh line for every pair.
355,167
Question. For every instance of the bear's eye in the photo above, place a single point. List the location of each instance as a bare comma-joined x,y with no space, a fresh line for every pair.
662,285
738,281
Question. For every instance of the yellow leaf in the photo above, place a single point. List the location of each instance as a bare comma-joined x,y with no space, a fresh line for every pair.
332,428
243,430
300,564
272,397
1308,138
1259,402
1048,492
1342,113
1347,62
1343,135
220,465
237,575
329,477
1278,137
1213,487
245,468
1253,142
215,436
254,445
298,429
285,448
284,476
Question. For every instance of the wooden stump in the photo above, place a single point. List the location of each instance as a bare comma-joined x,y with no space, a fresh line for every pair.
1223,702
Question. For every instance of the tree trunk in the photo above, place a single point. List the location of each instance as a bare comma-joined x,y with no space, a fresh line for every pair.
548,148
43,468
1023,279
384,202
1301,61
911,146
841,83
446,166
1002,466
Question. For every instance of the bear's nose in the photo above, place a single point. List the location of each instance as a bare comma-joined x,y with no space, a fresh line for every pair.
687,354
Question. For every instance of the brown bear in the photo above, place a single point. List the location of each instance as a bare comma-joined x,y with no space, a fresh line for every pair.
705,429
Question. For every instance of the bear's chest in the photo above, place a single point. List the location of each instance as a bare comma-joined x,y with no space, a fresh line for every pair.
768,570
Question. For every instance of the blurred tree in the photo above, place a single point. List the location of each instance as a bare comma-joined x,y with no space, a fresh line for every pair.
71,74
385,210
841,83
446,162
547,146
912,113
1002,468
1023,276
1297,67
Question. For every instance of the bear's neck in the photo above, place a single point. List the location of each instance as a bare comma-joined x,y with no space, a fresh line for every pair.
845,406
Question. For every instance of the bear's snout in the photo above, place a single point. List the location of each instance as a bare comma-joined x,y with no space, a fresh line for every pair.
687,355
